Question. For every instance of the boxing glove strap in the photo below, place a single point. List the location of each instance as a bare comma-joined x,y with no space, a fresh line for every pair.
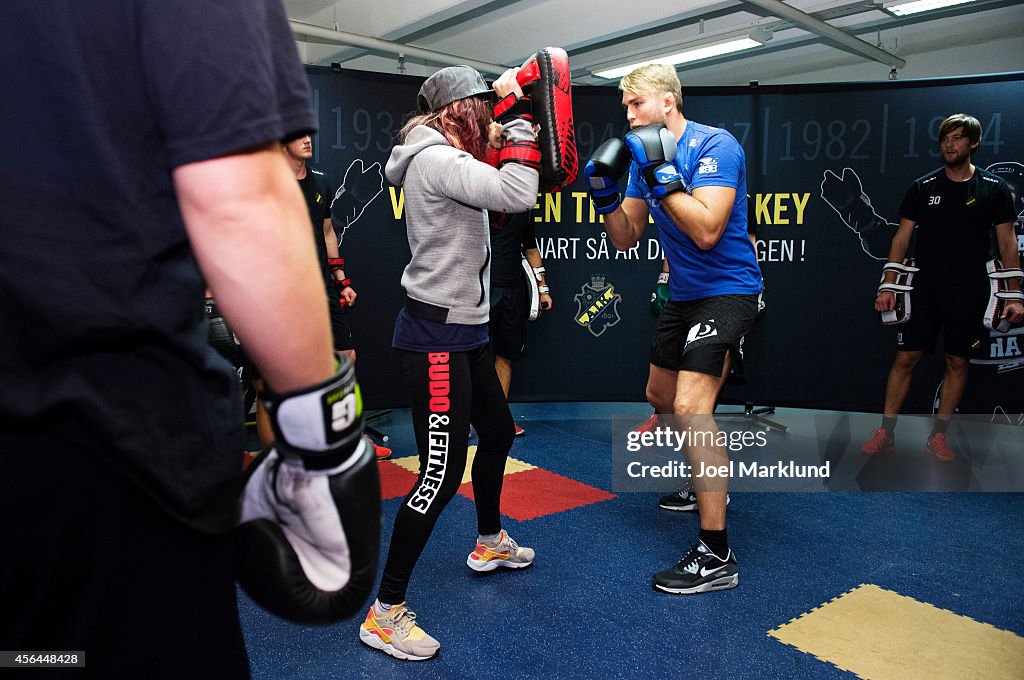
1007,274
513,106
899,268
523,152
321,423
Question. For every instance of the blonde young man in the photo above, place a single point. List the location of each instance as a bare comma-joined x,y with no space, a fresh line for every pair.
692,179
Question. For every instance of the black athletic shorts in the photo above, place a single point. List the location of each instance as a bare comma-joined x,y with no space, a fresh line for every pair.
695,335
508,321
955,311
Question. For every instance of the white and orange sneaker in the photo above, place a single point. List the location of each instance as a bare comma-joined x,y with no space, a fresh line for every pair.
395,632
506,554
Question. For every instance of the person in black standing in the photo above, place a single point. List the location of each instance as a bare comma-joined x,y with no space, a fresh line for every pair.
512,293
953,210
318,192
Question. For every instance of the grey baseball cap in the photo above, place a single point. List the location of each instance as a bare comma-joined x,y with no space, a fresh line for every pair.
448,85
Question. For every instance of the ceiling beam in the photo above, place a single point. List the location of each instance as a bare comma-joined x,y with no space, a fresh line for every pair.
829,32
329,35
462,12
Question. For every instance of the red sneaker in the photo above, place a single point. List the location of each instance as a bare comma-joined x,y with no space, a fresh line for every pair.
881,441
937,448
519,431
383,452
649,425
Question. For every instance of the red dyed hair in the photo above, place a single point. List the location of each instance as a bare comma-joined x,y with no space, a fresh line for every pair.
463,123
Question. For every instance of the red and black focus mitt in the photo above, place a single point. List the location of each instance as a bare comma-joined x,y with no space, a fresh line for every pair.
545,80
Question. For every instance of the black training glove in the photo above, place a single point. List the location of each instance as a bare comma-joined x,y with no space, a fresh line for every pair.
308,537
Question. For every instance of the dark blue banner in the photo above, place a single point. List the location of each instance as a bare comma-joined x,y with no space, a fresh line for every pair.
827,168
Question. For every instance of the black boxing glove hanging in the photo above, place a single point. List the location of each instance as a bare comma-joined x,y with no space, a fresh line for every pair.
308,538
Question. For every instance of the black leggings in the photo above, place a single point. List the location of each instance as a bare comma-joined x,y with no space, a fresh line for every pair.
448,390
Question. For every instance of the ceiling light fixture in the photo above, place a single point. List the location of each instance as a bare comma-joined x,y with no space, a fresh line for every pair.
903,9
755,38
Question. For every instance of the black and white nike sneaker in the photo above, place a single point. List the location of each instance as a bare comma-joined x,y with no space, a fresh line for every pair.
684,500
699,571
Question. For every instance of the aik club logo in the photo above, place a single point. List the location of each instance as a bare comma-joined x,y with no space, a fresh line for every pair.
597,306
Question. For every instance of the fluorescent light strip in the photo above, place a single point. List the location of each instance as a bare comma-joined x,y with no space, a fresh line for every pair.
923,6
695,54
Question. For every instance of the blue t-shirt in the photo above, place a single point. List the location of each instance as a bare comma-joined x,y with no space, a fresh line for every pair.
706,156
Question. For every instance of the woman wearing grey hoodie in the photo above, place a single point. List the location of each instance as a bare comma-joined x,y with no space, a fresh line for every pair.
441,332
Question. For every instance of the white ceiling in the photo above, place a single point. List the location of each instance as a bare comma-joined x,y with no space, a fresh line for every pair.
984,36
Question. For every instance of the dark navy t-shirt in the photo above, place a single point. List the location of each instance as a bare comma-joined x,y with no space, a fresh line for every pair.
103,335
422,335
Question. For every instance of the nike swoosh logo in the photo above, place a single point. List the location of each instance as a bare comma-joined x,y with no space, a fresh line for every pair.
704,571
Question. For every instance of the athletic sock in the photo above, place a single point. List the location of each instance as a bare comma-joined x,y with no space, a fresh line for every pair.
888,424
490,540
716,541
382,608
940,426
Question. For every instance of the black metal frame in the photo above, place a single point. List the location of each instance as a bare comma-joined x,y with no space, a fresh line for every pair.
372,431
755,414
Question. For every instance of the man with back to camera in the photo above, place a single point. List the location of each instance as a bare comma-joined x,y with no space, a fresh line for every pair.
120,429
692,179
953,210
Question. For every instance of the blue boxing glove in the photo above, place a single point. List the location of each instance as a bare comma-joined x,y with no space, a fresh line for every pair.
653,147
602,173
